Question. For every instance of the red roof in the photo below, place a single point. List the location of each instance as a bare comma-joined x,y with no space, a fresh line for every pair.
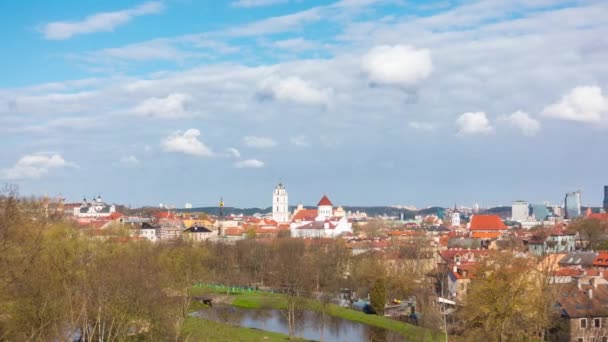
601,260
325,201
305,215
487,222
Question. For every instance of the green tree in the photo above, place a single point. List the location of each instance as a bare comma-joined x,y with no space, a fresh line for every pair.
378,296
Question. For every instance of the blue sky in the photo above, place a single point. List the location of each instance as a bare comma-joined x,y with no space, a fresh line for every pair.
373,102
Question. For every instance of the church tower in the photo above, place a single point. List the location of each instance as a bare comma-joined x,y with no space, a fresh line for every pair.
280,204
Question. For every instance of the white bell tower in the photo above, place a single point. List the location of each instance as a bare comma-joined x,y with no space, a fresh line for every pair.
280,204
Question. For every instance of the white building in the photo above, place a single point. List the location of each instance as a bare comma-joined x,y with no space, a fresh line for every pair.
95,209
319,223
456,219
520,211
280,204
148,232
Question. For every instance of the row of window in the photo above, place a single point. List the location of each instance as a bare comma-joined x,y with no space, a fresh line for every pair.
593,339
597,323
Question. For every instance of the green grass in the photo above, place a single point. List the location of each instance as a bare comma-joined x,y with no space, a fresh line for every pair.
262,300
198,329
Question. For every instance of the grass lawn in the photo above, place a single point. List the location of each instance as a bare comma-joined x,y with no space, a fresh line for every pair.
248,299
198,329
259,300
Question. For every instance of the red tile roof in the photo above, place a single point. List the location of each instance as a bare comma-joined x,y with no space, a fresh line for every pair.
487,222
601,260
486,235
306,215
325,201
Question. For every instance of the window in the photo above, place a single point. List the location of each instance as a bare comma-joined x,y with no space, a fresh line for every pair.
580,339
583,323
597,322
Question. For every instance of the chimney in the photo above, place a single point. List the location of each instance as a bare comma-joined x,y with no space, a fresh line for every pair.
590,293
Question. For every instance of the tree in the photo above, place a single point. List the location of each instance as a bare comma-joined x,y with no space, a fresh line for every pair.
378,296
292,274
591,231
496,307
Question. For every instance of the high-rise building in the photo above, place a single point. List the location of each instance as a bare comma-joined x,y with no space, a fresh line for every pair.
280,204
520,210
540,212
606,198
572,204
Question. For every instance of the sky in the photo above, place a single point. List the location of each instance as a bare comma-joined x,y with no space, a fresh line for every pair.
372,102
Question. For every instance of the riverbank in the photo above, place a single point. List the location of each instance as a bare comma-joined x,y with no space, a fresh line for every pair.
198,329
249,299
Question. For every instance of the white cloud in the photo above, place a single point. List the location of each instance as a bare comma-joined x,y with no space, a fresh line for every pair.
233,152
34,166
583,104
249,163
296,44
473,123
259,142
130,162
294,89
187,143
171,107
521,120
100,22
397,65
278,24
422,126
257,3
300,140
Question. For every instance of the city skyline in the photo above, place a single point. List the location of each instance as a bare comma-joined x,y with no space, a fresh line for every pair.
371,102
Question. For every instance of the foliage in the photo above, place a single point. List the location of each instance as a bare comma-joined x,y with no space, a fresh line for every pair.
378,296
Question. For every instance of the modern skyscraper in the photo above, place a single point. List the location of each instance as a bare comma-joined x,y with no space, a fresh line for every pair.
520,210
606,198
572,204
540,211
280,204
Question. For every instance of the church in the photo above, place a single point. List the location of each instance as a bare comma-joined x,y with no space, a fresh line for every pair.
322,222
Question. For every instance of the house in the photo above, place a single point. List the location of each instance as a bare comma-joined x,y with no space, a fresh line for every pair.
199,233
319,223
148,232
583,307
601,261
486,227
553,240
583,260
93,210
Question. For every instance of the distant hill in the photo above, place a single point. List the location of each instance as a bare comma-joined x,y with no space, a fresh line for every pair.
371,211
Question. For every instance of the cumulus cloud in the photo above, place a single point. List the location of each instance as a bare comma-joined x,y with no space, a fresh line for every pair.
257,3
473,123
187,143
171,107
259,142
399,65
34,166
100,22
294,89
233,152
522,121
584,104
129,162
249,163
422,126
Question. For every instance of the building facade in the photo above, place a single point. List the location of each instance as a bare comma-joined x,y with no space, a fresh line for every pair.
520,211
606,198
572,204
280,204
